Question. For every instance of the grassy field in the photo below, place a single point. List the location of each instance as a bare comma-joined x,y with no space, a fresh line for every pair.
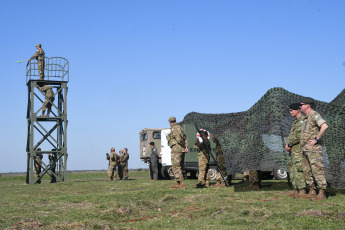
89,201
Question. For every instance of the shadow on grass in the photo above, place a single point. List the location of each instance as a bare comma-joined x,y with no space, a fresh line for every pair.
265,186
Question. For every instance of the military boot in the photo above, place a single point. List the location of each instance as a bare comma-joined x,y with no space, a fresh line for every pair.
183,185
320,196
301,193
312,192
199,185
216,184
292,192
177,185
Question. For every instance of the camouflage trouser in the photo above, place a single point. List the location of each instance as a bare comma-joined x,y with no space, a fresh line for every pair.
41,68
254,177
111,171
177,160
37,166
313,169
296,170
47,104
221,164
125,172
203,167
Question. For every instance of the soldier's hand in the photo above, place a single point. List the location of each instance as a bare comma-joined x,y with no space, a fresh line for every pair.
186,150
312,142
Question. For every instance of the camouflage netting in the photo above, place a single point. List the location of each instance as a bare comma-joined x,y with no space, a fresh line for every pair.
255,139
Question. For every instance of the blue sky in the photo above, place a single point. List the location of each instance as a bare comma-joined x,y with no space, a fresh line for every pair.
135,63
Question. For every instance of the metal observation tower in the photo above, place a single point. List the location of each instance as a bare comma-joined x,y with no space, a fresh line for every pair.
47,136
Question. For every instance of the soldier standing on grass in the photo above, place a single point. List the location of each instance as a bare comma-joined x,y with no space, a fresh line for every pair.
124,163
296,157
119,165
178,143
154,161
113,158
203,148
314,127
39,56
38,166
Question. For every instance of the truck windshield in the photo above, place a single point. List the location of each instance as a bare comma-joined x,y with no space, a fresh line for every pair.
156,135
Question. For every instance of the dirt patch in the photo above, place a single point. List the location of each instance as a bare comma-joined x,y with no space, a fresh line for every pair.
312,213
27,224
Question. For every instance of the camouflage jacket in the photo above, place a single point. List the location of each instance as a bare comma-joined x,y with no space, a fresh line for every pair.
124,159
48,91
39,55
113,158
310,129
203,147
177,140
295,134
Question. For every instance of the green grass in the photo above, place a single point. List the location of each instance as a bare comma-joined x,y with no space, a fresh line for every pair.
89,201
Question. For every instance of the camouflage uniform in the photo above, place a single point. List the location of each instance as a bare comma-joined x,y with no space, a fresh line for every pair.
312,155
112,165
52,164
220,161
296,157
119,166
124,164
38,166
177,141
49,98
204,159
39,56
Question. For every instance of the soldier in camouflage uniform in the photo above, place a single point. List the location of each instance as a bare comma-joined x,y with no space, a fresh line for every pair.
124,163
296,157
221,164
203,149
113,159
38,166
313,129
39,56
49,98
119,165
178,143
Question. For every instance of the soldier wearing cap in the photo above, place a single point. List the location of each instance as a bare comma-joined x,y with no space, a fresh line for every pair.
39,56
203,148
124,163
296,157
314,127
178,143
113,159
154,161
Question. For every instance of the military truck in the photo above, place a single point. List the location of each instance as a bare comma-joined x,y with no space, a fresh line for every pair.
158,136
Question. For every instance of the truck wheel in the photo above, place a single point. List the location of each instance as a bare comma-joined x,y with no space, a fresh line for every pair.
167,172
279,173
213,173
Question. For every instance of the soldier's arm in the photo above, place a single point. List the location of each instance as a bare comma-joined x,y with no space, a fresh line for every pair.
35,55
